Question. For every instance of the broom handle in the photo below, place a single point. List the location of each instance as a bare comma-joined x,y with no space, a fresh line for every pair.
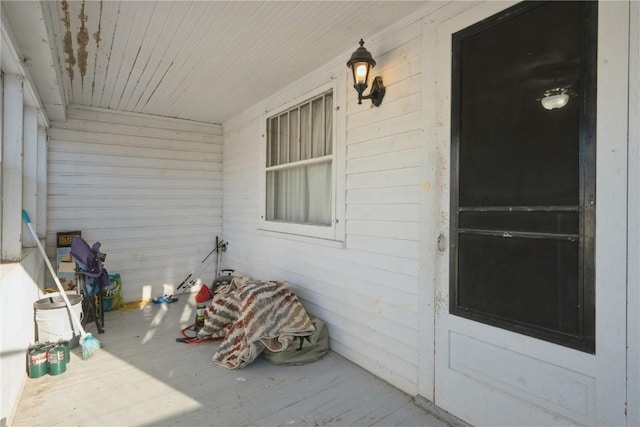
76,321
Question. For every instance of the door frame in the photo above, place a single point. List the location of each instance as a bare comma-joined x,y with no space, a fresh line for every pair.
611,224
633,266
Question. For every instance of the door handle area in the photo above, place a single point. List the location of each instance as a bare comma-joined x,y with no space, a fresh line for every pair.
442,246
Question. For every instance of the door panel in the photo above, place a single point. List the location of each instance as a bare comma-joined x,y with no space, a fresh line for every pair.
556,389
491,376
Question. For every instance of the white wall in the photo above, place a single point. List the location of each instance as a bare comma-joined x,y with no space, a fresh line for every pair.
633,266
148,188
19,289
367,287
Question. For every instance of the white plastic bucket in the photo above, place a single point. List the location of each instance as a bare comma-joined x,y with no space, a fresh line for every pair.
53,318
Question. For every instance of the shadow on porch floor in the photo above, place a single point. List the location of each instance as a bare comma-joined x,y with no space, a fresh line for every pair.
142,377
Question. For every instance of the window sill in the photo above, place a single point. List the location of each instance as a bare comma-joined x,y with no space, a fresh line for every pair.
300,238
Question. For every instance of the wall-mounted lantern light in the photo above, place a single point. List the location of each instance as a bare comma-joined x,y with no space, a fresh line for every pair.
555,98
361,64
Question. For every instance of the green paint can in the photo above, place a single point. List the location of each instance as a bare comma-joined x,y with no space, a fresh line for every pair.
37,358
67,350
56,360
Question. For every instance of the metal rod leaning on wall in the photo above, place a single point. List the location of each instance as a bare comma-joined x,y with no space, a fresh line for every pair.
221,246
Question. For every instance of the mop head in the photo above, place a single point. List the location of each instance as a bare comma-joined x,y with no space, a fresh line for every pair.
90,346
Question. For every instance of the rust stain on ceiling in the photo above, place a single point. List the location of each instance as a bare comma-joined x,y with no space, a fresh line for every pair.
96,37
83,42
67,41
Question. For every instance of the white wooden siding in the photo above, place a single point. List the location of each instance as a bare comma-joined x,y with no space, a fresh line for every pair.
148,189
367,288
633,243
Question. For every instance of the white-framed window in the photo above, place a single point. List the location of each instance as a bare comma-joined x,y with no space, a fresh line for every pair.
302,181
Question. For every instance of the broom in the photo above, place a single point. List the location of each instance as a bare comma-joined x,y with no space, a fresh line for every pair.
89,344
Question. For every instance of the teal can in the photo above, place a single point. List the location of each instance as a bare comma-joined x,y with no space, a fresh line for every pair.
67,350
56,360
37,359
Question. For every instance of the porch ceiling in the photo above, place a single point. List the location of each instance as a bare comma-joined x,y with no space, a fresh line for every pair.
203,60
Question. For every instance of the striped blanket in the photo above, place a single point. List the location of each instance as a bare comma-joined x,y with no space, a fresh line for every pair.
250,316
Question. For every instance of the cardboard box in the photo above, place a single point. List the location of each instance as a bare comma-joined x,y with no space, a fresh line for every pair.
64,260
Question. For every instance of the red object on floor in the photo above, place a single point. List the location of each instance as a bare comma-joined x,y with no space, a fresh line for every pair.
204,294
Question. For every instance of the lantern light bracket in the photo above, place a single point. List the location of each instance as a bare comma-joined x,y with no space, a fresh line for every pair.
360,60
376,94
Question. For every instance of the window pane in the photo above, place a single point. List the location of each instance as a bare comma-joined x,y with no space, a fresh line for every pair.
300,194
289,195
319,178
294,136
305,132
328,128
284,139
513,151
317,128
531,281
272,142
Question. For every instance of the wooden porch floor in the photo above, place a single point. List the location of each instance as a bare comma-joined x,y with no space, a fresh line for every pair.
142,377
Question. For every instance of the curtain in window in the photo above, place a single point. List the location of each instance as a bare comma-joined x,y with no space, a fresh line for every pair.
302,195
301,191
319,182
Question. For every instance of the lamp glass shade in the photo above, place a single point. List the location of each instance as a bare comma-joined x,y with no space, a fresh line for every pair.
551,102
360,73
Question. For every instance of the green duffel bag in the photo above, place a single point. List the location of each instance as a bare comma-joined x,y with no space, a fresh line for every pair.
303,350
